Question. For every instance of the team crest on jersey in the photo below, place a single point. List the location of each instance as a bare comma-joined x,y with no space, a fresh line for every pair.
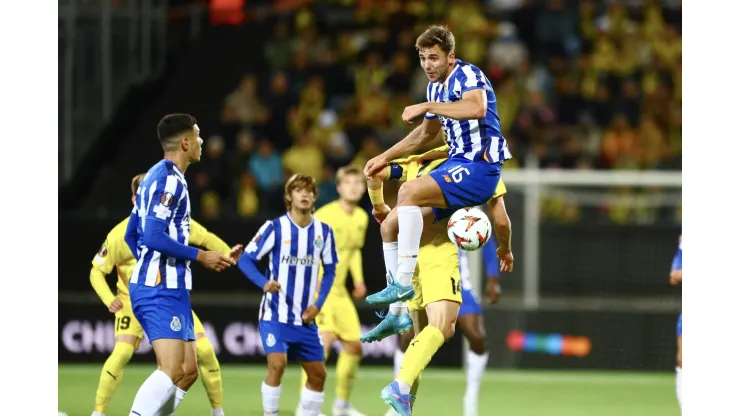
167,199
270,340
318,243
103,251
175,325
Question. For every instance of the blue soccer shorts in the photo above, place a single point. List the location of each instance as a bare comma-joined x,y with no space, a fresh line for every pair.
679,326
163,313
300,342
470,304
465,184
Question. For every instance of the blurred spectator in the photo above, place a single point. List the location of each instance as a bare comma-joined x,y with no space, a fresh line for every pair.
507,52
278,100
266,167
278,48
247,198
243,106
243,152
210,205
327,187
304,157
370,148
214,167
619,145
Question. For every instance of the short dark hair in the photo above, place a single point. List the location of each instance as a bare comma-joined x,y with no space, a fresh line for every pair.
135,182
437,35
173,125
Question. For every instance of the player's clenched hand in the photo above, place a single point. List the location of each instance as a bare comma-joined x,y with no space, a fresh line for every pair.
310,314
493,288
359,291
676,276
236,252
115,306
506,259
373,165
271,287
380,212
214,260
413,111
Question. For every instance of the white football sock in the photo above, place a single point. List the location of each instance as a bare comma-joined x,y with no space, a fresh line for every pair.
678,385
390,256
403,387
217,412
270,399
397,360
476,369
410,227
153,394
398,308
179,395
311,402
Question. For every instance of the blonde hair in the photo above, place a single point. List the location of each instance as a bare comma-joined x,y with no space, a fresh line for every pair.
136,181
345,171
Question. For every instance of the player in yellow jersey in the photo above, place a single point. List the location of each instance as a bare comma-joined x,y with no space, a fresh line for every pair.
338,319
115,253
436,302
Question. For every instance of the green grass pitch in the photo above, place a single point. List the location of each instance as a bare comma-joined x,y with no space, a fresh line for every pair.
510,393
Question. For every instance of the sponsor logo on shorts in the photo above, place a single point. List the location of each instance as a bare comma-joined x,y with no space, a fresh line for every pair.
175,325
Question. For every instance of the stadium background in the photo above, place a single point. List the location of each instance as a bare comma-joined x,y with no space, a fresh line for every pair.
285,86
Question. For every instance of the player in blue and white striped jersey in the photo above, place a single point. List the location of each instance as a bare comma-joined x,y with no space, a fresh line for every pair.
461,100
157,234
297,244
676,277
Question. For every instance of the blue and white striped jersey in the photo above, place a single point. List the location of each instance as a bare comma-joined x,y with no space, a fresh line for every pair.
474,140
163,196
295,254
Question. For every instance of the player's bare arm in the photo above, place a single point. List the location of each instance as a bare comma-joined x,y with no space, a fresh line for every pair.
214,260
472,107
414,141
502,229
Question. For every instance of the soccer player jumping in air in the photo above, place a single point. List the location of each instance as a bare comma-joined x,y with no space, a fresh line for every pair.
461,99
157,234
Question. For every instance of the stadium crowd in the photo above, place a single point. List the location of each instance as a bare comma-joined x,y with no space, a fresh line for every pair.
580,85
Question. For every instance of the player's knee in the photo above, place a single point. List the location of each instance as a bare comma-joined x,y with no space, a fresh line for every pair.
189,375
122,353
276,368
477,343
316,377
448,331
353,347
176,371
406,194
389,230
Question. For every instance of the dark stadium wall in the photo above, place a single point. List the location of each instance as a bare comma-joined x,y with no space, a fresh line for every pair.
598,260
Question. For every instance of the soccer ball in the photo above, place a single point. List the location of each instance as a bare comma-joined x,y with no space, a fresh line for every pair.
469,228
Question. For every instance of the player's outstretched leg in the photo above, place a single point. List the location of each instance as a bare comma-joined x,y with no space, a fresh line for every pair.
442,316
159,388
403,343
471,325
112,373
312,395
390,325
210,373
190,367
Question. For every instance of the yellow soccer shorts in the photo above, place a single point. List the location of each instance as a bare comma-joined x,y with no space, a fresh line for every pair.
339,316
437,276
126,323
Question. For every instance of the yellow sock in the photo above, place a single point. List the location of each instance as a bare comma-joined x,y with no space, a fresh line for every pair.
414,390
420,351
210,371
112,374
347,365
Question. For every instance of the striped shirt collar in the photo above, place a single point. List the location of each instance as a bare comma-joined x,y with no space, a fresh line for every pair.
454,68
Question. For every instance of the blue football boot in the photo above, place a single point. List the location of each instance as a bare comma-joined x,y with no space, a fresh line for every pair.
401,403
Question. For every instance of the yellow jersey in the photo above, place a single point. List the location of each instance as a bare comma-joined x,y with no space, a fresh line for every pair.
349,236
115,253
